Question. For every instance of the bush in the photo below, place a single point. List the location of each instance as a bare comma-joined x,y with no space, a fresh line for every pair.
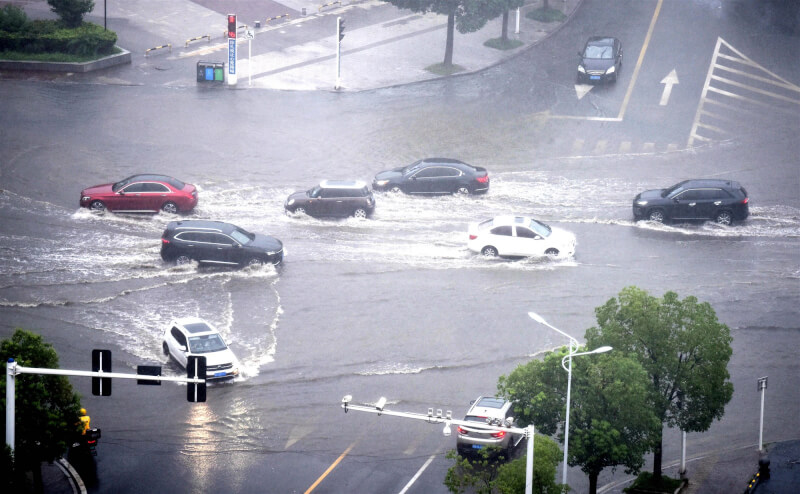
48,37
13,19
71,12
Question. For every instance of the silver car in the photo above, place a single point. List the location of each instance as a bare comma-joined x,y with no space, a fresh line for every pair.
487,410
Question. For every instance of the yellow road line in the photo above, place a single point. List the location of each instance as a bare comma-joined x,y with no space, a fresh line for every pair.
639,61
330,469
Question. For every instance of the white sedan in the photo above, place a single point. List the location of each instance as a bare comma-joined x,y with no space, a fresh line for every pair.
519,236
192,336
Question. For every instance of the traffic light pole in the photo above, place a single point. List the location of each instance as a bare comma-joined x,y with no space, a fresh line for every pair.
13,370
339,36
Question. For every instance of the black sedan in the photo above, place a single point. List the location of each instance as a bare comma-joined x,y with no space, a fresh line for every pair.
600,60
434,176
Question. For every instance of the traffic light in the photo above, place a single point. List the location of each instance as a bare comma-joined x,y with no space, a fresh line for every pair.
196,368
101,360
232,26
340,27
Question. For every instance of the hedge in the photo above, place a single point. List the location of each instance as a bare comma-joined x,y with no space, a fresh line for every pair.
50,37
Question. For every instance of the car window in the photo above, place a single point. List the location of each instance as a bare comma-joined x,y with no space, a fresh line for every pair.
432,172
314,192
155,187
176,333
690,195
599,51
241,237
134,188
218,238
175,182
715,194
189,236
206,343
501,230
540,228
525,233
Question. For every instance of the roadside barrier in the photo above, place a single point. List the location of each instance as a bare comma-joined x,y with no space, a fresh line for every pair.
168,45
207,36
337,2
276,18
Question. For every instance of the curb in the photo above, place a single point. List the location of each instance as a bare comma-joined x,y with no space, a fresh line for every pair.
72,476
102,63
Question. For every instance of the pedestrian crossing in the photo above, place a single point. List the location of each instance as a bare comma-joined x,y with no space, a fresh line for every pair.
738,88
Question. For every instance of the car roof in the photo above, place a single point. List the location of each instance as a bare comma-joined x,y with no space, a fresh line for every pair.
149,176
710,182
489,406
201,225
510,220
442,161
194,325
342,184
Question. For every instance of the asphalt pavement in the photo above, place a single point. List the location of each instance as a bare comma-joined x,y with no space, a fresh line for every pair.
294,48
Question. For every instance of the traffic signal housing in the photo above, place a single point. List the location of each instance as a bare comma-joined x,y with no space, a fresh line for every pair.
196,368
101,361
340,27
231,26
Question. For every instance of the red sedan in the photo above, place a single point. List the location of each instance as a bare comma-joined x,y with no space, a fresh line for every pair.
141,194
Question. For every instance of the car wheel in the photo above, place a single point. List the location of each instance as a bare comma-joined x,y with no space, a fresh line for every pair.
551,252
360,213
165,347
462,189
255,262
97,206
489,251
395,189
656,215
170,207
300,210
724,218
182,259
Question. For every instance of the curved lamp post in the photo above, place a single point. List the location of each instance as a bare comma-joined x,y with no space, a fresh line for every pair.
566,363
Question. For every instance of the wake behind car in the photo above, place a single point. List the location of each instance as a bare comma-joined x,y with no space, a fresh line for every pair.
337,198
519,236
145,193
217,243
600,60
723,201
193,337
492,411
434,176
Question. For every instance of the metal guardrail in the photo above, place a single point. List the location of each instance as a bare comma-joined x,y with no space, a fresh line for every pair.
168,45
207,36
337,2
276,18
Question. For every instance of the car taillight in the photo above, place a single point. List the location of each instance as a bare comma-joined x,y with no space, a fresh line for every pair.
483,179
473,237
462,431
499,434
164,241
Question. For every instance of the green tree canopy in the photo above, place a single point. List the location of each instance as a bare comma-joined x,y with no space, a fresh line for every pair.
683,348
46,407
486,473
71,12
610,418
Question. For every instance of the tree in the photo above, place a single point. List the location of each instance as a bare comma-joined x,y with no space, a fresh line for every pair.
466,15
46,407
683,348
71,12
487,473
610,419
505,6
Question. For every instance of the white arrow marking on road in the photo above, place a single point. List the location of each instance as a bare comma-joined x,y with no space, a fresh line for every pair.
669,81
582,89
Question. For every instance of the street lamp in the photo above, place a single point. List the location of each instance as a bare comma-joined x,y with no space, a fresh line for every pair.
573,352
448,420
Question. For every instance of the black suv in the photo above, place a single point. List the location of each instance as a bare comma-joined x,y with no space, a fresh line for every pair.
333,198
218,243
723,201
434,176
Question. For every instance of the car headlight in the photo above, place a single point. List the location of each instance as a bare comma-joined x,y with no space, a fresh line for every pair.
641,203
85,198
611,69
581,69
290,202
381,183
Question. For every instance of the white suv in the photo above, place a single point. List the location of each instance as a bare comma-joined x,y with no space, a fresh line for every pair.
487,410
191,336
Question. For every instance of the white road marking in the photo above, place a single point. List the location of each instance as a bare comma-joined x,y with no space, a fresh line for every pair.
417,475
670,80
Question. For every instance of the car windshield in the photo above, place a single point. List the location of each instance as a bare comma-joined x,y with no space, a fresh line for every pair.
412,167
122,183
540,228
206,344
672,190
314,191
242,236
604,52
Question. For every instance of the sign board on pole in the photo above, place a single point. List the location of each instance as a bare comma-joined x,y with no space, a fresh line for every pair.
232,61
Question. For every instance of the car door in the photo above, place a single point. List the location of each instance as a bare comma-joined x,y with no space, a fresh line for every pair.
191,244
330,203
178,339
528,242
222,249
155,194
421,181
686,205
129,198
712,201
502,237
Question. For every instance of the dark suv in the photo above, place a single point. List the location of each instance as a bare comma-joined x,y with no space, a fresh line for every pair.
218,243
333,198
723,201
434,176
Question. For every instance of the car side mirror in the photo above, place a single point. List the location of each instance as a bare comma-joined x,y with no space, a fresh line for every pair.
183,348
121,192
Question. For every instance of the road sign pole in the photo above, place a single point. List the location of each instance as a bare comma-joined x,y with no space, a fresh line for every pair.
762,387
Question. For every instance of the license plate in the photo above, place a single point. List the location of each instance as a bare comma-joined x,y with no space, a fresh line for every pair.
477,446
219,374
594,77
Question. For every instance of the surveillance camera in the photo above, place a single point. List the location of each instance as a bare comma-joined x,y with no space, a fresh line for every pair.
438,413
447,431
449,415
430,412
380,404
347,399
